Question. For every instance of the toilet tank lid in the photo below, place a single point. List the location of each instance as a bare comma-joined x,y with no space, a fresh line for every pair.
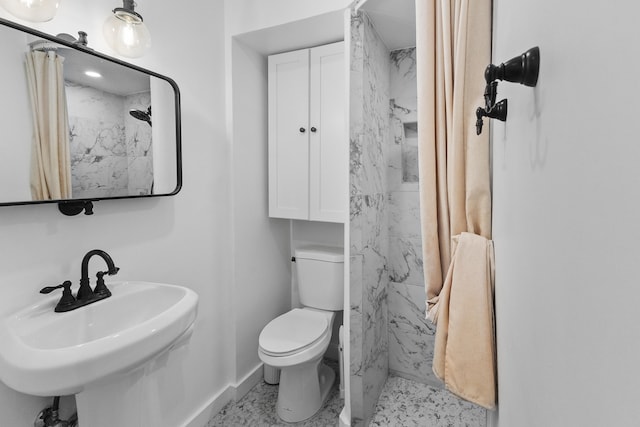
320,253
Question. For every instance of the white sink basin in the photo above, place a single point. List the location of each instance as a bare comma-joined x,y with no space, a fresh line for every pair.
45,353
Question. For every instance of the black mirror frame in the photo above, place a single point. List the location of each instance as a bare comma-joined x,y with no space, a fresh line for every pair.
75,206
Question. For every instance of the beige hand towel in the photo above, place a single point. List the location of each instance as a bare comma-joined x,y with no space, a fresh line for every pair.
465,351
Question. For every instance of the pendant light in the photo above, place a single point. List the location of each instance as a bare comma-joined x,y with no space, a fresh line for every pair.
125,32
32,10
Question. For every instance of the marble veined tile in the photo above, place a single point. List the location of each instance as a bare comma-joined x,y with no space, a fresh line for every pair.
375,275
411,336
140,176
375,353
375,329
403,73
405,261
88,102
355,313
410,404
138,138
356,111
356,168
100,177
357,50
373,178
88,138
357,401
404,214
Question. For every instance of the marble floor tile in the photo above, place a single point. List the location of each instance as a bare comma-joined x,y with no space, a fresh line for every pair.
402,403
407,403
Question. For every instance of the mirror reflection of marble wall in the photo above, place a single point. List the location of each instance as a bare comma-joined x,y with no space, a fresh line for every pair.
111,152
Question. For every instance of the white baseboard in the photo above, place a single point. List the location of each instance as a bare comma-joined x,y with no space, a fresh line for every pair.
210,408
230,393
248,382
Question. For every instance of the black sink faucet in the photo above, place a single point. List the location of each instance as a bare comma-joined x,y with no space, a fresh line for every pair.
85,295
85,291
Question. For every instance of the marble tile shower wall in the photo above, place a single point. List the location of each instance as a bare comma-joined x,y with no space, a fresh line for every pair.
368,218
411,336
110,150
138,141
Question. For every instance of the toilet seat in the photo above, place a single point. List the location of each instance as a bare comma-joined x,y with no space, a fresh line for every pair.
293,332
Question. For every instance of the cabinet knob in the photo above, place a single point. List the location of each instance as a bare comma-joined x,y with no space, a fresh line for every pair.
313,129
302,130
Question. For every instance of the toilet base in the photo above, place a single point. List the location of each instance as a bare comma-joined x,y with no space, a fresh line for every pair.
303,390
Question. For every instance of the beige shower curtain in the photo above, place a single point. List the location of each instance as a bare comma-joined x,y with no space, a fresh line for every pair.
50,159
453,48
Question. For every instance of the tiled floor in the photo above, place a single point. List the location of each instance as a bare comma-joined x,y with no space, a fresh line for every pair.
407,403
403,403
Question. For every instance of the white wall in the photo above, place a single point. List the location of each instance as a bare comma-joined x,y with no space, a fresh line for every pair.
182,239
261,244
17,132
251,15
566,211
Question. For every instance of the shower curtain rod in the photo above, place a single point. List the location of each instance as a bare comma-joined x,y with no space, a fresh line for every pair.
44,46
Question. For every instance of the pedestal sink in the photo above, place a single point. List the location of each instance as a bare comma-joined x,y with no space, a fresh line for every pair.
93,350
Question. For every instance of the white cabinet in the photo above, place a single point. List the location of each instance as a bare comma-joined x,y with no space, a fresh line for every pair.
308,137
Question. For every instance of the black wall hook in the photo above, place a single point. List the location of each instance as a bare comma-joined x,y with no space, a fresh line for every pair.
523,69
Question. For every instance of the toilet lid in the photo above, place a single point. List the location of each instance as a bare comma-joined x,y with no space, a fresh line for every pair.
293,331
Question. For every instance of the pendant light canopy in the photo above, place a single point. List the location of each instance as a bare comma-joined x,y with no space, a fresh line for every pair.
125,31
32,10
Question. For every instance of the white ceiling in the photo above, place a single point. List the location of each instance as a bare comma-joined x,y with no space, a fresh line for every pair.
394,20
313,31
116,79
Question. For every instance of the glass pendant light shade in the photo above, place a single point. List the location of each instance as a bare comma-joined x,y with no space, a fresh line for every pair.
125,32
32,10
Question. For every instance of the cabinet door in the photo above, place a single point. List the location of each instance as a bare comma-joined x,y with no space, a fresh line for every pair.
329,144
289,135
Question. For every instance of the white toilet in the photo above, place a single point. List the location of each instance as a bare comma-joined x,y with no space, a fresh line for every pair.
296,341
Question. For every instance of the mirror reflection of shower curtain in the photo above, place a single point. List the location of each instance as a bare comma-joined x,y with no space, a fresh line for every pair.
50,160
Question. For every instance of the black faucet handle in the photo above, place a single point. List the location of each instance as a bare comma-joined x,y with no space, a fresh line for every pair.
101,289
67,299
48,289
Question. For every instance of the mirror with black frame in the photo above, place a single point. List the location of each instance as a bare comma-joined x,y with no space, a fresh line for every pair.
79,126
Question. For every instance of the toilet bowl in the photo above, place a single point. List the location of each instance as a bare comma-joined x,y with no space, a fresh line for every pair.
295,342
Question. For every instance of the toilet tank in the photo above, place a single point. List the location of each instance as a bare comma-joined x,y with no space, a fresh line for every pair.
321,277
